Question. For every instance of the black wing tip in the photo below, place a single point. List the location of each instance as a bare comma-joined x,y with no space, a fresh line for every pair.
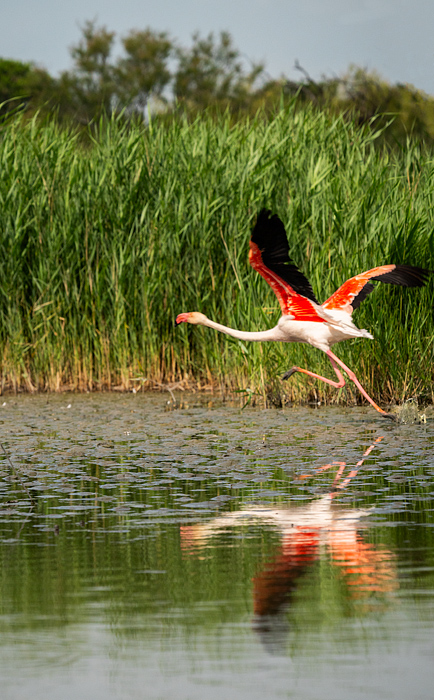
420,275
264,214
267,223
402,275
406,276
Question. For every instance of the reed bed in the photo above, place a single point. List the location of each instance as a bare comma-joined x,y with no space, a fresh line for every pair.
105,240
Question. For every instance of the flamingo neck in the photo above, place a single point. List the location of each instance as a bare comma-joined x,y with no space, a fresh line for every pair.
271,334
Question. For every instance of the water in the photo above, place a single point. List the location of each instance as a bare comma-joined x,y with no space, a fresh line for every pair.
203,551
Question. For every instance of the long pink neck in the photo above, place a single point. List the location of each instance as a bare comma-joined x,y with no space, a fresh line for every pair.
271,334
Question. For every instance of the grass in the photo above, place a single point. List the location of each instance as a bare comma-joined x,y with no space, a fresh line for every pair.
105,240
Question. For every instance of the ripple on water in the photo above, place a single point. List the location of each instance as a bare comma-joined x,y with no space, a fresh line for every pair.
210,523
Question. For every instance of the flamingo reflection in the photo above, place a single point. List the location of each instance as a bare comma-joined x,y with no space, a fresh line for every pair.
321,530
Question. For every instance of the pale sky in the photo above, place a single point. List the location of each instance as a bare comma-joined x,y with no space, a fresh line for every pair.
394,37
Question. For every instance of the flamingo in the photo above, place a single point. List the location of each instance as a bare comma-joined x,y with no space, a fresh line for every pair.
304,319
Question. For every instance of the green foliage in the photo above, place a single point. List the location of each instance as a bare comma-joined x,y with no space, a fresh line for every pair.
213,74
154,73
399,111
143,72
103,243
22,83
92,83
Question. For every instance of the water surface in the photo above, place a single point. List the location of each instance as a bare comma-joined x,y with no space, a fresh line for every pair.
205,552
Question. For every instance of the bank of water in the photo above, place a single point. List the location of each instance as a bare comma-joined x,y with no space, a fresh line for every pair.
199,550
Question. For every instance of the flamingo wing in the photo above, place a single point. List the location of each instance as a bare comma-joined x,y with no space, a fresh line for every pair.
269,255
351,294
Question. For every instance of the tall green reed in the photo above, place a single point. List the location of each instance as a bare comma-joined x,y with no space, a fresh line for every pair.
103,242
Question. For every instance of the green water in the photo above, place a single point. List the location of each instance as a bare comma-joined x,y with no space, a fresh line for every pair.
195,552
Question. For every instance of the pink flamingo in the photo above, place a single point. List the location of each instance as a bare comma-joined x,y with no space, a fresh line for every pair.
304,319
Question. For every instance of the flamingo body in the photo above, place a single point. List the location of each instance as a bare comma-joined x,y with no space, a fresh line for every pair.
304,319
321,335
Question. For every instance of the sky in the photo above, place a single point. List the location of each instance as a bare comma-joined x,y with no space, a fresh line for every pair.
392,37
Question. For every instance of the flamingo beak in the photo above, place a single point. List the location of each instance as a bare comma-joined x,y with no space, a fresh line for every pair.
181,318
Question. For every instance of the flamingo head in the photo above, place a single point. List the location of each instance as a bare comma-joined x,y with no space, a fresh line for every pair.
193,317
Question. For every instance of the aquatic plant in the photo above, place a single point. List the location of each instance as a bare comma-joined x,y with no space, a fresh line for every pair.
107,235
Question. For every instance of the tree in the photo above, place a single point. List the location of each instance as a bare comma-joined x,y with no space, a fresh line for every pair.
143,72
399,110
213,74
89,89
23,84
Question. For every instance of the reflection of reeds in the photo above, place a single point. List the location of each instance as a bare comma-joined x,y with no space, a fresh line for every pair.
103,244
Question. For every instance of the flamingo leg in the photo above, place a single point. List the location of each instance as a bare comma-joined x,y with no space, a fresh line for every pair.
352,376
353,473
342,466
338,385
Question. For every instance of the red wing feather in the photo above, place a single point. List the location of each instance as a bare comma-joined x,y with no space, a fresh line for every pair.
269,255
351,294
291,303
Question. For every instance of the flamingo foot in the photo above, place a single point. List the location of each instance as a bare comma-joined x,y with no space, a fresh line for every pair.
289,373
392,416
